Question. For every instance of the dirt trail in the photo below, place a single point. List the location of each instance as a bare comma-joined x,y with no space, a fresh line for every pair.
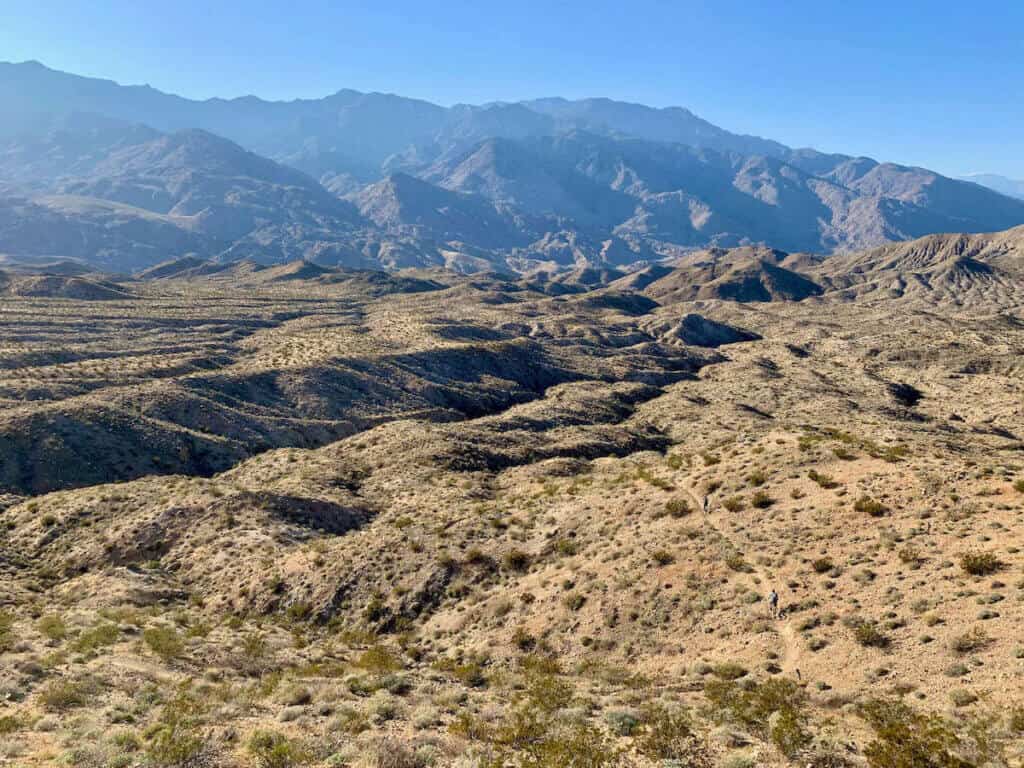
790,639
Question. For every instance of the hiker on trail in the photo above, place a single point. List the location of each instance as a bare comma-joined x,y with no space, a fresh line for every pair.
705,504
773,604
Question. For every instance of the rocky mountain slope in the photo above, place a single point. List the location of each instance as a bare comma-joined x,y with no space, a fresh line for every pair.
375,180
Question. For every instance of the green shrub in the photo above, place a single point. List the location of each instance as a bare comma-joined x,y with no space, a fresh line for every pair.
567,547
62,695
773,709
980,563
574,601
1019,486
870,506
175,739
663,557
733,504
52,627
10,724
6,631
274,750
736,562
164,642
905,738
973,640
98,637
824,481
822,565
757,478
669,736
1016,720
869,635
379,660
622,722
729,671
788,732
517,560
761,500
678,507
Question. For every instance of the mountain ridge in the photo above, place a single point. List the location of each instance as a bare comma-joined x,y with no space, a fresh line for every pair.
379,180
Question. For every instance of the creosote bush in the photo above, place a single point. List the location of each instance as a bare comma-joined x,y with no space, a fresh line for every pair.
677,507
979,563
867,505
869,635
275,750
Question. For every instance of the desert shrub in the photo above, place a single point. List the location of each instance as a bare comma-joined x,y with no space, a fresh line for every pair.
6,630
52,627
622,722
761,500
523,640
10,724
1019,486
870,506
736,562
379,660
350,720
729,670
757,478
825,481
574,601
532,735
733,504
164,642
98,637
479,559
869,635
393,753
669,735
905,738
973,640
62,695
517,560
470,673
677,507
962,697
773,709
980,563
567,547
1016,720
663,557
911,556
175,739
822,565
274,750
787,731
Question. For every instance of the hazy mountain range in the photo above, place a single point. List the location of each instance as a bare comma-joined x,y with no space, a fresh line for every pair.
126,176
1011,187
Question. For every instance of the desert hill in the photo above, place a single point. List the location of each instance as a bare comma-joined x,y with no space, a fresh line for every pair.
385,523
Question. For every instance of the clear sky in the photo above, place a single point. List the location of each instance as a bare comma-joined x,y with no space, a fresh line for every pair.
939,83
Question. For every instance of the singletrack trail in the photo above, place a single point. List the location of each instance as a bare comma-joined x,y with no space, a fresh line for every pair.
790,639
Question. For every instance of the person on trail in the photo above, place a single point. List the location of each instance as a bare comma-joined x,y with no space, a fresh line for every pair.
705,505
773,604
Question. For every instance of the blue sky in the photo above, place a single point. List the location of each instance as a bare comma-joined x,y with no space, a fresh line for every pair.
939,84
